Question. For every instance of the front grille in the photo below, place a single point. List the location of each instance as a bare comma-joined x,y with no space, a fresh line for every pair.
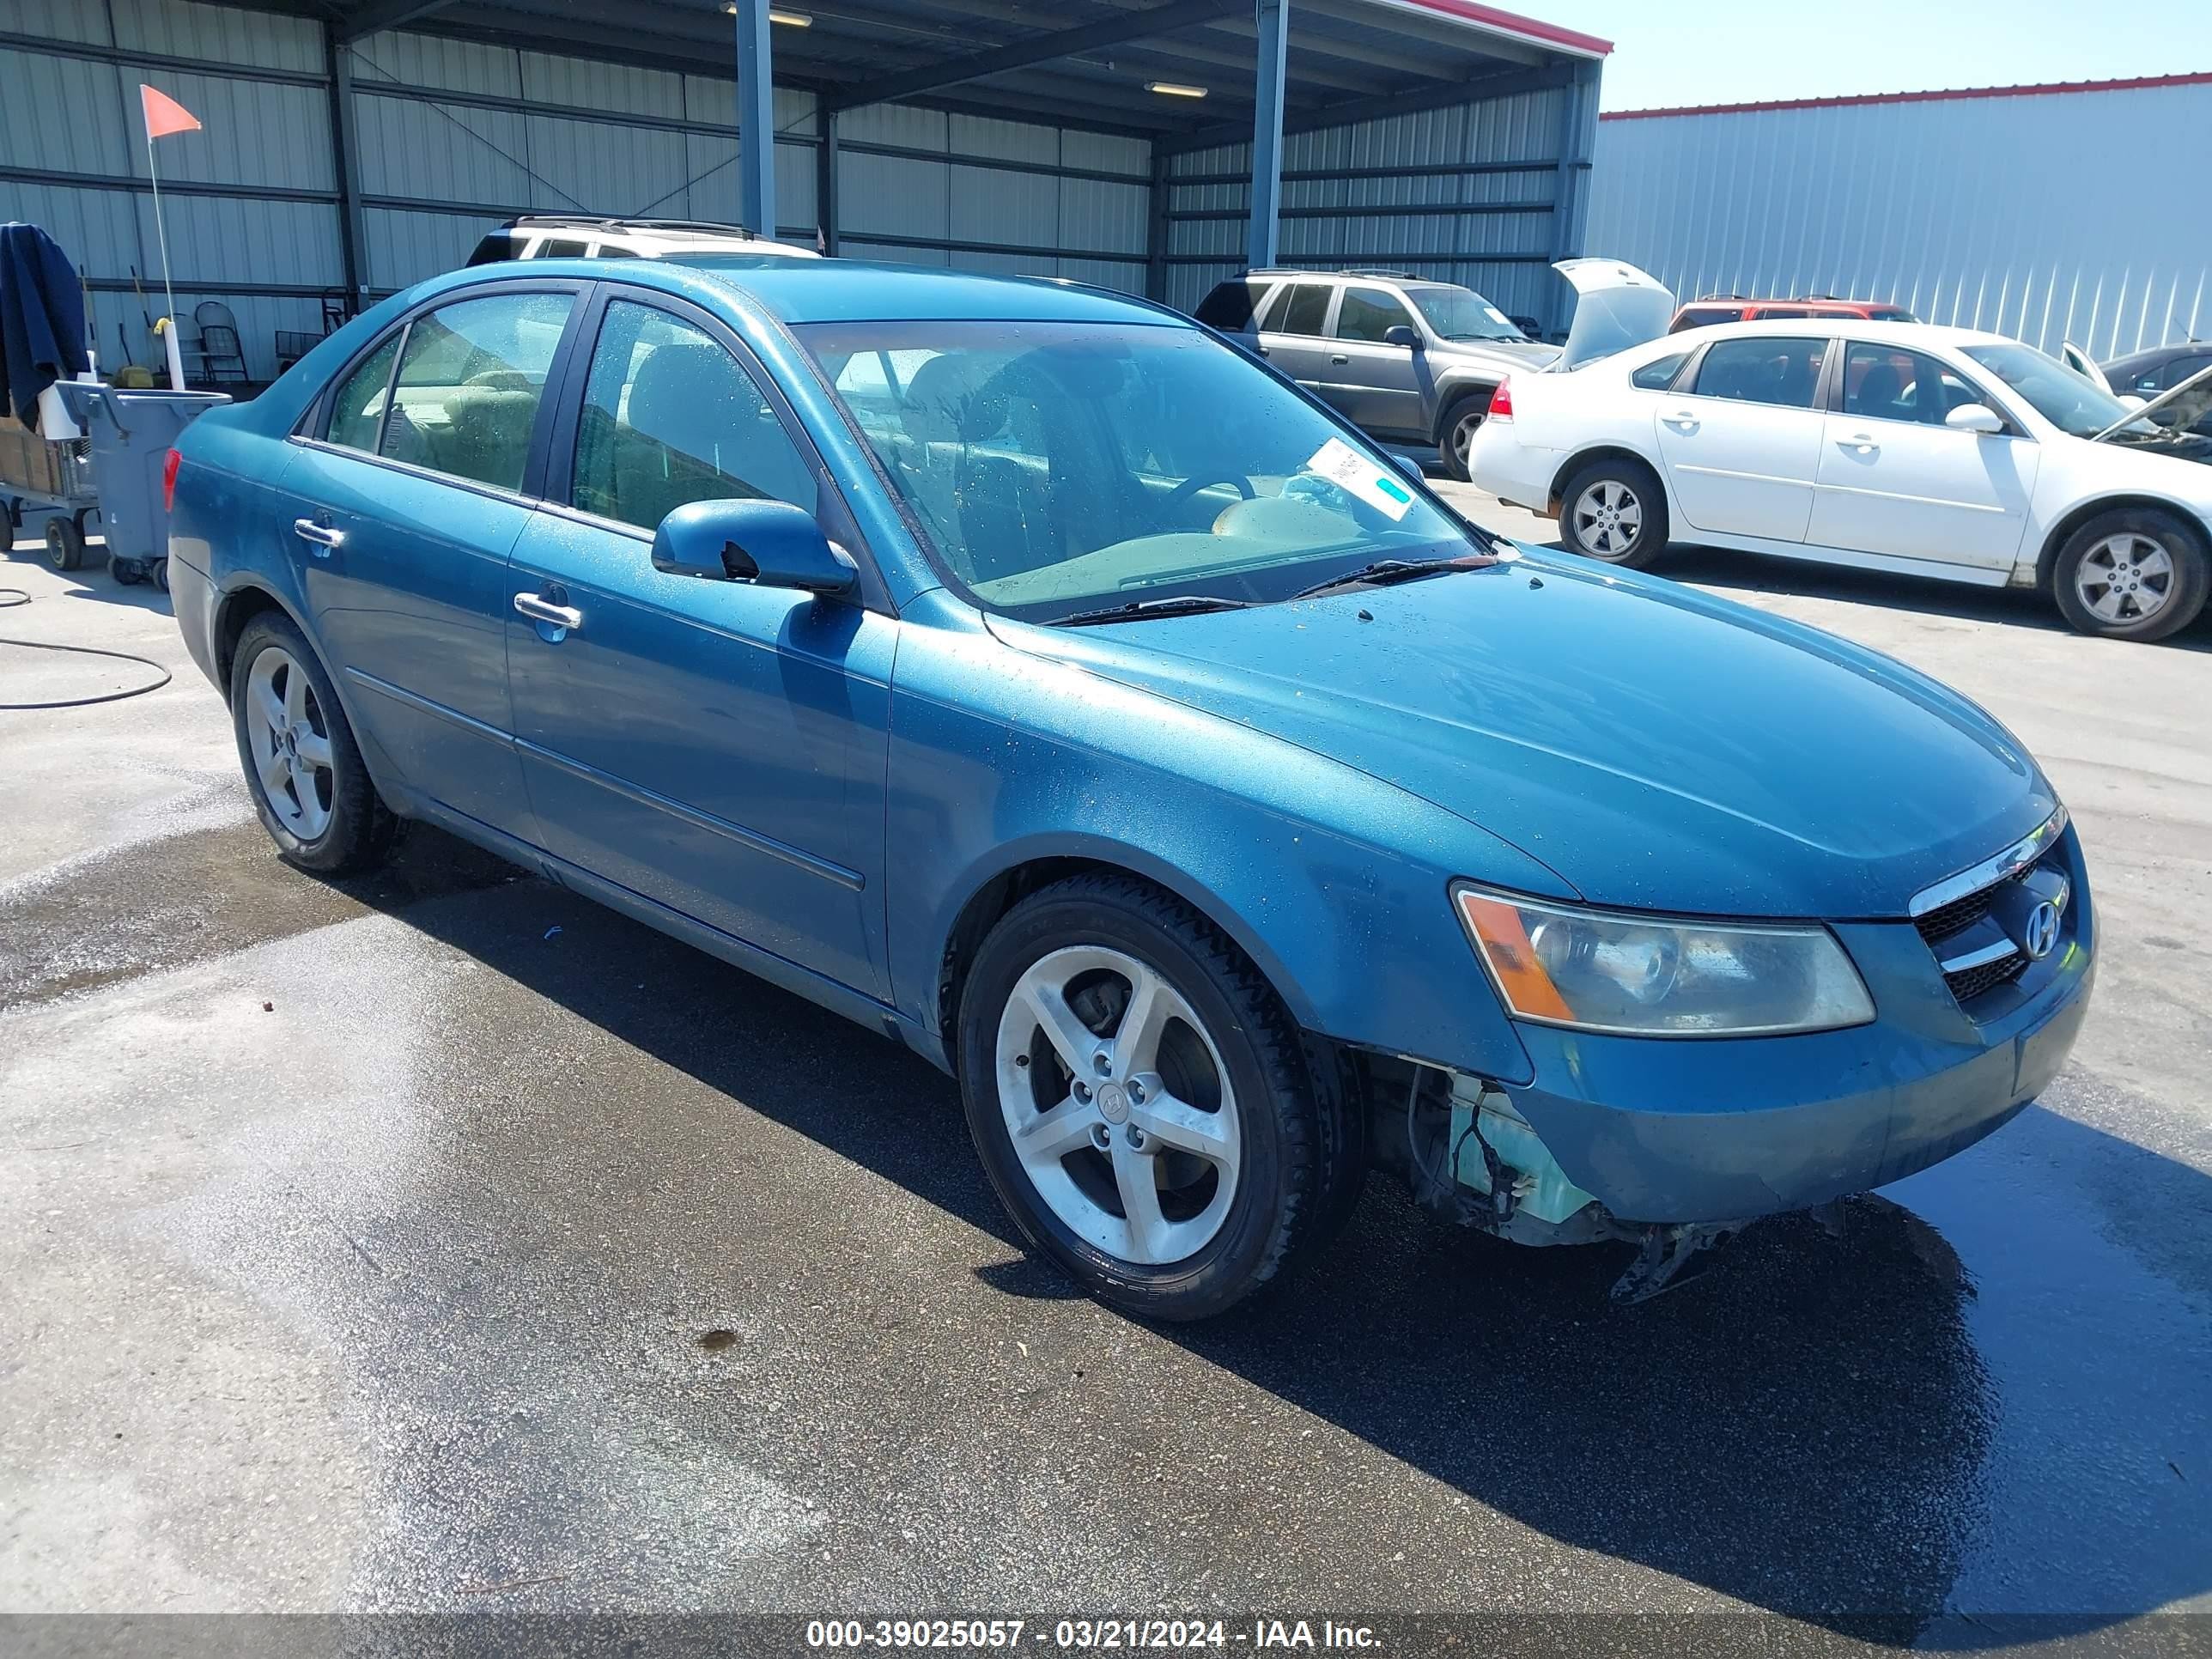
1942,926
1969,982
1956,917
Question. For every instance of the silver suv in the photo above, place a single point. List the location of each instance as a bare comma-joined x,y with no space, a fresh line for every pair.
1409,362
554,236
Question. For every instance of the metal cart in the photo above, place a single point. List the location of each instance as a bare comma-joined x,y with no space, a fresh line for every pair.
51,473
131,433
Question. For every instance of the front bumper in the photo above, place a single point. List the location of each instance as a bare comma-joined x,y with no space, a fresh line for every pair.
1724,1130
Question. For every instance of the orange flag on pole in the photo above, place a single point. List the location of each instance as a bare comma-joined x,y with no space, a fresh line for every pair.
164,114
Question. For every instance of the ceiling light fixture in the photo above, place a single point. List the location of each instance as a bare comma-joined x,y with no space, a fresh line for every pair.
796,20
1174,90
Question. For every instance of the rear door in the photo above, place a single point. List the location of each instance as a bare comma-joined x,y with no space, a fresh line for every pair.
407,497
1742,444
1374,382
1293,329
1895,480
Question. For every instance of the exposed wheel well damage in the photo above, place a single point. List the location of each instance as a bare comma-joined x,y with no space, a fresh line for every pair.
238,609
2062,531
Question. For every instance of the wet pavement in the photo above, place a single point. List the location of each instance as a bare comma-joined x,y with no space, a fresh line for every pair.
440,1241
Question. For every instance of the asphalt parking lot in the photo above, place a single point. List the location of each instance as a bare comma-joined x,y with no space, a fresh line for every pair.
438,1241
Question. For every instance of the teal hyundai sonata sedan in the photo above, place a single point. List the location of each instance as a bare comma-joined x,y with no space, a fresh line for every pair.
1028,674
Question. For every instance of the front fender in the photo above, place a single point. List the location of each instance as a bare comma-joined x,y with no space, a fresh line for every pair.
1334,883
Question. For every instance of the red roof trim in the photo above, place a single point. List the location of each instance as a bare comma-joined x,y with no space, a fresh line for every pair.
2047,89
1512,23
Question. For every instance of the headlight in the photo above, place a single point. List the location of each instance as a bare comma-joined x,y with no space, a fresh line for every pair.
1600,970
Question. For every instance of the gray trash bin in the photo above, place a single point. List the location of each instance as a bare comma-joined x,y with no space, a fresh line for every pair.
131,434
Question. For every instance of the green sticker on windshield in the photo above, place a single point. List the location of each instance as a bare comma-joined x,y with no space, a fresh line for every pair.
1345,467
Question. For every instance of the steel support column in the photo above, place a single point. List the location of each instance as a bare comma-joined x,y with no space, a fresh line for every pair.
345,156
825,181
1158,229
1273,20
1571,182
755,120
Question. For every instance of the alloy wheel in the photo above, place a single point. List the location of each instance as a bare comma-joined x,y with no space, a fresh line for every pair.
289,737
1462,438
2125,578
1118,1105
1607,519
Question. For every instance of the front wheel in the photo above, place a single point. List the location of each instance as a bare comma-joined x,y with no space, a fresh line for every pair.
1461,421
1140,1099
2132,574
1615,510
312,793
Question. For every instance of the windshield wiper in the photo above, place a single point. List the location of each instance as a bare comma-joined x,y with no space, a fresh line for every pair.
1385,573
1179,605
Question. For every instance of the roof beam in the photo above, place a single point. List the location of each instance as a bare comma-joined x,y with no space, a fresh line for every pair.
1036,49
381,15
1438,94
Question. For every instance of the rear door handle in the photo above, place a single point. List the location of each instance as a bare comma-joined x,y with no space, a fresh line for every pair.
1340,361
321,537
1861,442
1679,417
538,608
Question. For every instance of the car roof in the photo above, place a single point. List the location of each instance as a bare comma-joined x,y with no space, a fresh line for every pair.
854,290
2158,356
1848,328
1728,301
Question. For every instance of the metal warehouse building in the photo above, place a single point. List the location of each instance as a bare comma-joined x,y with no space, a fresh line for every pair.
350,150
2043,212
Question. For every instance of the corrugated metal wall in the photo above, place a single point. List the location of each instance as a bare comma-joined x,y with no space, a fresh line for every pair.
1470,194
2048,218
453,137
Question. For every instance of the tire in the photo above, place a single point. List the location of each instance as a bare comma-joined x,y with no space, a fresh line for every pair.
1615,484
2111,566
1223,1052
162,575
334,821
65,543
1458,429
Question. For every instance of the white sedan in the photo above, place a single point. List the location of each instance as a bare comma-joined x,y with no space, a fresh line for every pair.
1940,452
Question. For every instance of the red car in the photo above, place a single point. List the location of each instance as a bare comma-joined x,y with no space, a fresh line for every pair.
1734,309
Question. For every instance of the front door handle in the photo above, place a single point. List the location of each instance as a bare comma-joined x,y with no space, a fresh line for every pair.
1862,442
538,608
321,537
1679,416
1340,361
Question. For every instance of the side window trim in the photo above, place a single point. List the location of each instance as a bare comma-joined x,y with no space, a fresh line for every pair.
575,374
314,426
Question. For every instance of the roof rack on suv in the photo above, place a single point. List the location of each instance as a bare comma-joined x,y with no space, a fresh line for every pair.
610,221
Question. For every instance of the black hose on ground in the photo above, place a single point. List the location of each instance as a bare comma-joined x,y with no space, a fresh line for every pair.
12,596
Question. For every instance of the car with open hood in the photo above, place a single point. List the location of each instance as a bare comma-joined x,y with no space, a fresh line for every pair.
1886,446
1034,678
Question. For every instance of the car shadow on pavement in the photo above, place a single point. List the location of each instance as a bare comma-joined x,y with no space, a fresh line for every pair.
1804,1428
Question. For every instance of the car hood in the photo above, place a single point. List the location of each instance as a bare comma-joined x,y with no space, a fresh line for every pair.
1522,354
1657,748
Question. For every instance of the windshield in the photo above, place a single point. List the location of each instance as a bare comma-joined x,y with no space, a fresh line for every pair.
1461,313
2066,399
1063,467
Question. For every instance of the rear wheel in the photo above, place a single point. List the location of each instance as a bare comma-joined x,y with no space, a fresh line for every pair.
1614,510
2131,573
1460,422
313,794
65,543
1140,1099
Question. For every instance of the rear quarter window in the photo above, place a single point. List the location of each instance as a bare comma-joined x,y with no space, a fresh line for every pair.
1230,306
1659,374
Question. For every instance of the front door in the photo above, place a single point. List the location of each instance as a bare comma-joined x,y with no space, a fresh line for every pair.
1742,445
716,747
1292,331
1895,480
1374,382
406,505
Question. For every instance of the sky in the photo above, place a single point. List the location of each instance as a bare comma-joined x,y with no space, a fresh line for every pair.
1732,52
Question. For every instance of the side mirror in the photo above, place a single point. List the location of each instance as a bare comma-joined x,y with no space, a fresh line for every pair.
768,543
1402,334
1974,417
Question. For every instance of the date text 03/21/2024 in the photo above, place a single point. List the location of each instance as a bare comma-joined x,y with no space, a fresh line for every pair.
1095,1635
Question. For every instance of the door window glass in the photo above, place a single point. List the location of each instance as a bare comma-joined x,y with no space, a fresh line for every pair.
554,247
357,412
470,382
1763,369
670,417
1304,311
1882,383
1369,313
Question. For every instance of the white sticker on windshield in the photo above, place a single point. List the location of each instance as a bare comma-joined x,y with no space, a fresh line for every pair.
1498,316
1345,467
